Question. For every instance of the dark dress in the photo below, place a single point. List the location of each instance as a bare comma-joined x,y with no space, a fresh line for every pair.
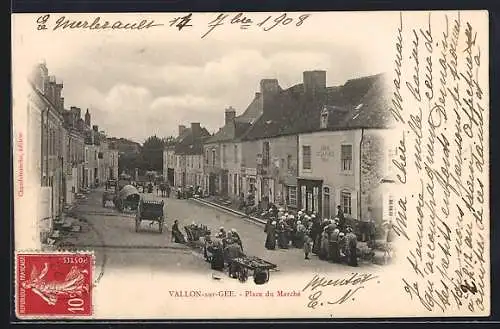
352,257
316,236
271,237
176,234
334,247
283,243
217,261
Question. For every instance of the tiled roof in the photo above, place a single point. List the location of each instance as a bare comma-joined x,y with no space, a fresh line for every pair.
253,111
292,111
241,123
188,145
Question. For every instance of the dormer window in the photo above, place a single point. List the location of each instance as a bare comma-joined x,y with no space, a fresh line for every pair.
324,118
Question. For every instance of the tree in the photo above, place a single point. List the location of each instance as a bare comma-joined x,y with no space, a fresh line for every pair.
152,153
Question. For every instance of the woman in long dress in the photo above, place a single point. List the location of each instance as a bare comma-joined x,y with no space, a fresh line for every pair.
217,261
177,236
271,236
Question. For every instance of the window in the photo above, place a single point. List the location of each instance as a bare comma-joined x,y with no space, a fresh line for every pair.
303,191
324,119
236,154
224,154
213,157
265,154
346,157
206,156
289,162
292,196
315,198
391,207
326,202
306,157
346,202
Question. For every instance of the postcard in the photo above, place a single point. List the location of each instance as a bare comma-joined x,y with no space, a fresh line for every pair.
251,165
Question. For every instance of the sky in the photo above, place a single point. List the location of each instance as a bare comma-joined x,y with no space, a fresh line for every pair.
138,84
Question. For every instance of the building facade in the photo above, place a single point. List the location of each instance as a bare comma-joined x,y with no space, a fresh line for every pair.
223,153
344,160
169,164
45,117
188,153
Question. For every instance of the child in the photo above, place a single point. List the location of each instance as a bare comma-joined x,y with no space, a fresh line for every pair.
307,245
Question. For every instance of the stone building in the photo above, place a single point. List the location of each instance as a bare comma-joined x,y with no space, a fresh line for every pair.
74,146
223,154
45,123
188,169
343,158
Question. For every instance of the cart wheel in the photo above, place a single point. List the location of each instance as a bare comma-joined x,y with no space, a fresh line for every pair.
161,224
242,274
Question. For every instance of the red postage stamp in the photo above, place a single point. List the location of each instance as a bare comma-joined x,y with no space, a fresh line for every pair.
54,284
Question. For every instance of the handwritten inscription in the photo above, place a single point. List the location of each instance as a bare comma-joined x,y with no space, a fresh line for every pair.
181,22
353,283
438,98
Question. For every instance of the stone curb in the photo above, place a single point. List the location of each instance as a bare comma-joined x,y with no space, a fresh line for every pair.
232,211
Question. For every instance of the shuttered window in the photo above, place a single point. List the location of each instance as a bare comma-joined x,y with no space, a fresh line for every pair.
306,157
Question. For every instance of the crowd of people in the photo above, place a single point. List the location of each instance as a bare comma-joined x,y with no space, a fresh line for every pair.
330,239
219,250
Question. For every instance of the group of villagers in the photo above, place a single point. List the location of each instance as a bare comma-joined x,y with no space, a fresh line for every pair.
330,239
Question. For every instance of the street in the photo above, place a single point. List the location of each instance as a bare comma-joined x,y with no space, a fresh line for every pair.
116,245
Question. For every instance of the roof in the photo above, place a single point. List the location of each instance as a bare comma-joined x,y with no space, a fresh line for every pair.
292,111
253,111
190,145
229,132
241,123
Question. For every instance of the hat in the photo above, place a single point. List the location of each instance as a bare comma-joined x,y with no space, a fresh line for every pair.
341,234
281,209
221,228
299,222
292,216
233,230
273,222
336,230
300,212
313,216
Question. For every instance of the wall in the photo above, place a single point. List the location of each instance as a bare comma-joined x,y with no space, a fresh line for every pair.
326,164
375,166
233,166
277,172
211,166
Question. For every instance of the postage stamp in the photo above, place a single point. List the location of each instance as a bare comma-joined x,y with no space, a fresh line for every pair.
54,284
252,165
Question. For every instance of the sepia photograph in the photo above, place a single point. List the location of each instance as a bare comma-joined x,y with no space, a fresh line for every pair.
212,161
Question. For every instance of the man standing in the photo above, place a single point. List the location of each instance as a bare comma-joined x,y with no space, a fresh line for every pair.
341,217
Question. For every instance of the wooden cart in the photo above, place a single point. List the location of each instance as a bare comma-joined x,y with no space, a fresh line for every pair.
152,211
253,266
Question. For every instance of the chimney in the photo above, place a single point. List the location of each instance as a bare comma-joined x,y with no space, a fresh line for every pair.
257,94
182,128
87,118
269,88
230,115
314,82
196,130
